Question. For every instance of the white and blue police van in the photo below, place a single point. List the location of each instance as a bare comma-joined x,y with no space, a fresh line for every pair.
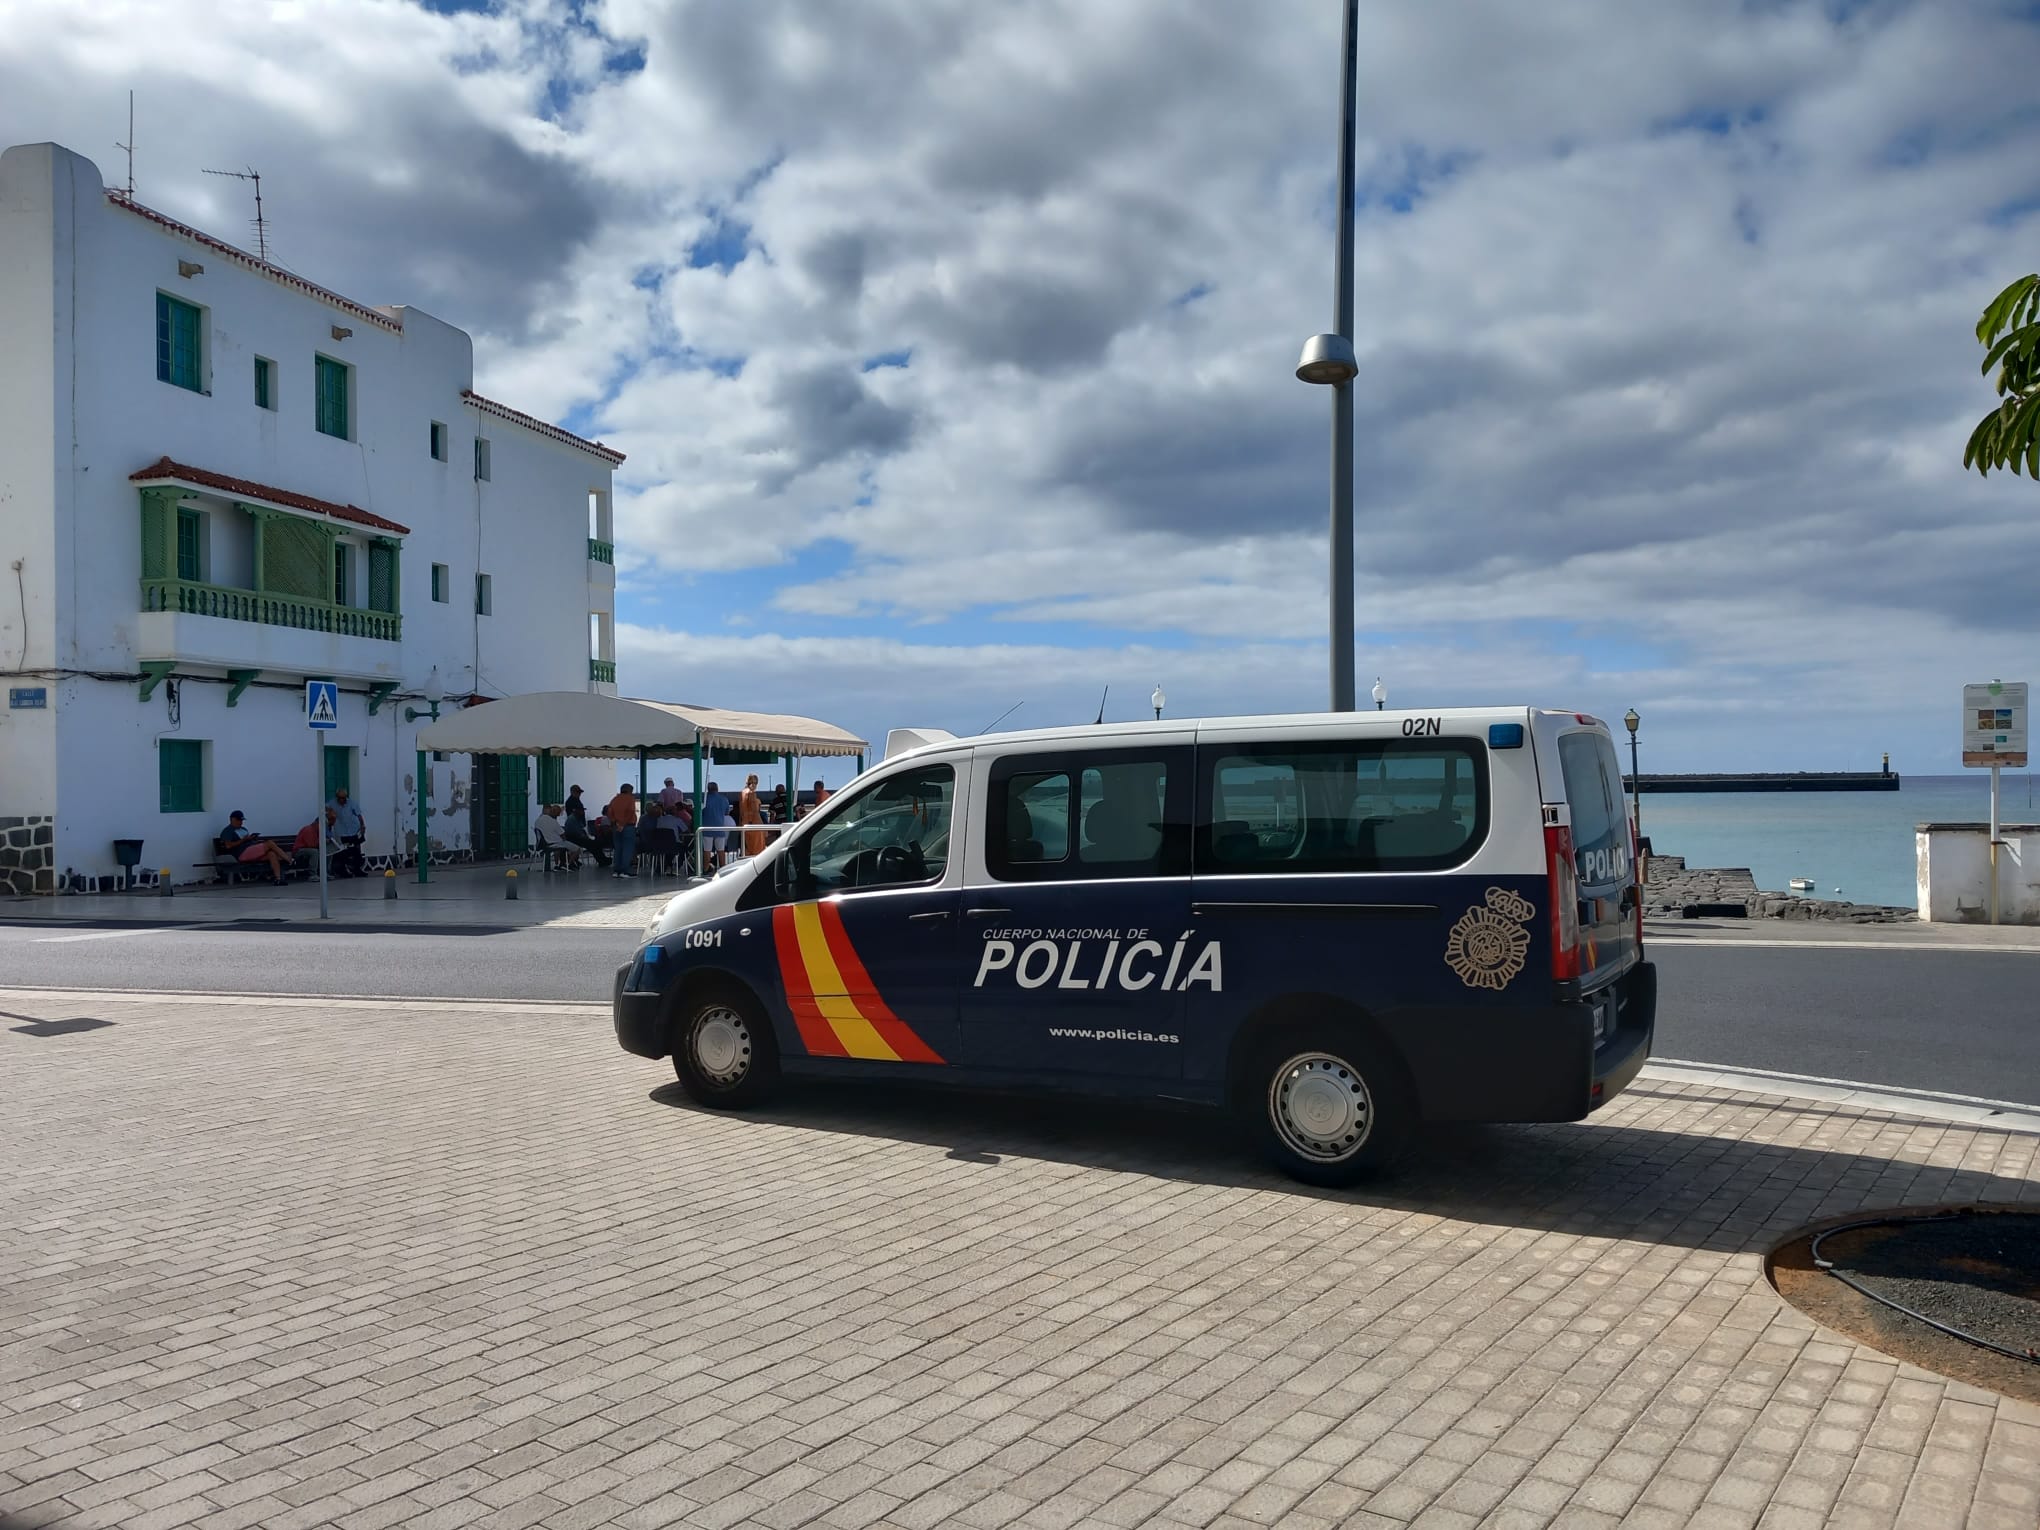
1337,926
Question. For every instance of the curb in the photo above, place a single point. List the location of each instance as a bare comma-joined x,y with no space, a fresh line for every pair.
1928,1104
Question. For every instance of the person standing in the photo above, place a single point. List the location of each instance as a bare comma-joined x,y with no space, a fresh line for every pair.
821,796
669,794
715,825
623,815
750,811
348,829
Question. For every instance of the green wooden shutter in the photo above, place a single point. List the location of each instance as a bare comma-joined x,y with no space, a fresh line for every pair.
177,344
262,382
297,558
180,771
382,576
552,782
156,550
513,812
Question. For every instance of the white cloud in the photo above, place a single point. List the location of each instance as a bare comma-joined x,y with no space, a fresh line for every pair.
1664,328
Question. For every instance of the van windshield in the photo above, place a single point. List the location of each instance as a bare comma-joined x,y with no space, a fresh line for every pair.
1593,789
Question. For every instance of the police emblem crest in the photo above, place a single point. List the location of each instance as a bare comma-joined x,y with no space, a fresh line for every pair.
1490,943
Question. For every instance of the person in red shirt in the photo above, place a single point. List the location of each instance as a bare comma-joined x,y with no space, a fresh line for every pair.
622,811
308,836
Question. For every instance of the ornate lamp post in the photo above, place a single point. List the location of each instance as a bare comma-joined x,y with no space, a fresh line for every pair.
1630,721
1158,701
1380,694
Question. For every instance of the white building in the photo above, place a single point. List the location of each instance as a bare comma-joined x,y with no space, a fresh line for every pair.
218,480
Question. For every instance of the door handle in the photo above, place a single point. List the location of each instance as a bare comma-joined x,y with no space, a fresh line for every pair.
927,918
987,913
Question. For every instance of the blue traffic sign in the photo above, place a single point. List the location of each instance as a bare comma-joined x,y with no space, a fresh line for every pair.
322,703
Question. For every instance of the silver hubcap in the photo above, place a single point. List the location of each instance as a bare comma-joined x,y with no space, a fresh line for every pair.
1320,1106
722,1045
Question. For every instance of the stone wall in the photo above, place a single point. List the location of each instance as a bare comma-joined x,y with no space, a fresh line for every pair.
27,854
1671,886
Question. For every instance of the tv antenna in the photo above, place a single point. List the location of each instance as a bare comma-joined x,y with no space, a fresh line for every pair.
129,146
261,227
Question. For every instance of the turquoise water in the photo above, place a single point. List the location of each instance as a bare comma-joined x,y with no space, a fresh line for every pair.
1859,842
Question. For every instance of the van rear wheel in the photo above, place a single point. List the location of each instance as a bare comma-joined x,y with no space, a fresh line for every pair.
1329,1106
723,1052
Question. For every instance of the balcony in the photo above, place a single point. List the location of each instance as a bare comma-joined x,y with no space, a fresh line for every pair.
601,552
193,599
602,671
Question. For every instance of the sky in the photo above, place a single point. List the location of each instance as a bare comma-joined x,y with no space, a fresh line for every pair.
952,344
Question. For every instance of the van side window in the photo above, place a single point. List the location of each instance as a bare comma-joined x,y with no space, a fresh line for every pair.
1099,814
896,834
1388,805
1593,789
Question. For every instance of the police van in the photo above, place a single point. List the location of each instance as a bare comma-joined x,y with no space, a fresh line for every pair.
1337,926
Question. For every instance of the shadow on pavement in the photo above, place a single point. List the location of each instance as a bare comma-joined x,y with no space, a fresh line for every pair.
1595,1178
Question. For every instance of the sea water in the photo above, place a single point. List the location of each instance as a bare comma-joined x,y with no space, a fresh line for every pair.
1857,846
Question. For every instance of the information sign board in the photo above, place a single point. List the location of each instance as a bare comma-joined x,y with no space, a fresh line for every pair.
1994,725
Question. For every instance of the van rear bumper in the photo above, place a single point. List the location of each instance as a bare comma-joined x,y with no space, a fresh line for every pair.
1511,1064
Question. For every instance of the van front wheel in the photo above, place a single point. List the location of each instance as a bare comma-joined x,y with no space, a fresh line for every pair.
1329,1107
723,1052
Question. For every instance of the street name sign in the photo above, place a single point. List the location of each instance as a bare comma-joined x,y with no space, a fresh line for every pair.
322,703
1994,725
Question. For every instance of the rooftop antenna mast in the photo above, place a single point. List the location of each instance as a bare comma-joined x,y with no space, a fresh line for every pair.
129,146
261,227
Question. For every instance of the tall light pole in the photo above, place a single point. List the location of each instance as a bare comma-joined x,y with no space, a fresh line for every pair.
433,696
1328,359
1630,721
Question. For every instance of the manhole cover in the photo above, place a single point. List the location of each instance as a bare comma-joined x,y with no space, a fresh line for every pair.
1954,1290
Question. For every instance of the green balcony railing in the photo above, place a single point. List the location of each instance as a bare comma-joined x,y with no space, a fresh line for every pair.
602,671
601,552
193,599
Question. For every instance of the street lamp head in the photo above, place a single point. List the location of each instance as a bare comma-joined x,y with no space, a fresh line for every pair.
434,692
1380,694
1630,720
1327,359
1158,701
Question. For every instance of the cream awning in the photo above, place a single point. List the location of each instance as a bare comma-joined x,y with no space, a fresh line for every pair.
580,723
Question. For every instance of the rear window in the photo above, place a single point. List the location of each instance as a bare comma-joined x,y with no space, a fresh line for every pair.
1389,805
1593,789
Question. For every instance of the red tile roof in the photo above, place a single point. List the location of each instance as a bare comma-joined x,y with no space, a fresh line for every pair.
608,454
254,263
163,470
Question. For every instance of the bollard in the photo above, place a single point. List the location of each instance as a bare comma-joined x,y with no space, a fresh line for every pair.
163,889
389,886
510,885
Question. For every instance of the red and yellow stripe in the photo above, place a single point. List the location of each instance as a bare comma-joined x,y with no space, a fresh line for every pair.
836,1007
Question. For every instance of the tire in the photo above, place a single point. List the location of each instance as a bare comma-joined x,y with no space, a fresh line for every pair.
1327,1104
723,1051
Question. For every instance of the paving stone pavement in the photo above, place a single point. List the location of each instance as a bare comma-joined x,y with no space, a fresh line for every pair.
292,1263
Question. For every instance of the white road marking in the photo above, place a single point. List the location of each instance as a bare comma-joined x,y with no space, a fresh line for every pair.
1909,947
58,940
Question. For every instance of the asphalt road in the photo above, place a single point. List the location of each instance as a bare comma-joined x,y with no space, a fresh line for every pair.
1956,1022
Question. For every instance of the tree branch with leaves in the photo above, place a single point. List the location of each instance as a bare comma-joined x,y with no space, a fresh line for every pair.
2009,436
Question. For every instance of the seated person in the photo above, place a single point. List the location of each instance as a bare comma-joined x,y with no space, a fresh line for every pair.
308,840
248,849
551,833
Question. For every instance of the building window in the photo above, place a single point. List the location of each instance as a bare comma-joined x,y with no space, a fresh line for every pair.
439,592
190,545
484,595
265,383
180,771
331,381
179,346
343,570
481,459
438,442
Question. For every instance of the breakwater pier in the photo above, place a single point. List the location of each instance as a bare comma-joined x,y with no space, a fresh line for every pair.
1770,781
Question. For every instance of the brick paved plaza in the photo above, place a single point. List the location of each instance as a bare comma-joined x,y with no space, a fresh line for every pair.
288,1263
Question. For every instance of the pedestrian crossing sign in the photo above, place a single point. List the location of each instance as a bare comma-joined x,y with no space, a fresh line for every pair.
322,703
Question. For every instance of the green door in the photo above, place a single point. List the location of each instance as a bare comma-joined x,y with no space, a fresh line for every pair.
513,779
552,782
339,770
